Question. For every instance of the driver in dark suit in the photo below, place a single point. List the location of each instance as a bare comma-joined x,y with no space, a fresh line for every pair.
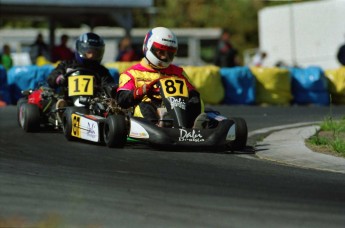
89,54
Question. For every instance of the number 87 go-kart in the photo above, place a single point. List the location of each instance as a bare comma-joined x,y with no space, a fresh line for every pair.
170,131
104,121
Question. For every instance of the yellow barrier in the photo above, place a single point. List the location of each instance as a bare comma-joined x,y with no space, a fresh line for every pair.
120,66
336,84
41,61
273,85
207,81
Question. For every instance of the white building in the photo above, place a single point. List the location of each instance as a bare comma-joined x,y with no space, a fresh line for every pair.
304,34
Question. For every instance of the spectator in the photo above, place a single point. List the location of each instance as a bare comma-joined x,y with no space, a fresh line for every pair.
39,48
259,58
6,59
341,55
62,52
226,54
126,51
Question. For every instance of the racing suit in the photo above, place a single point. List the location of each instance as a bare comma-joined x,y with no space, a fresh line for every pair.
104,77
141,73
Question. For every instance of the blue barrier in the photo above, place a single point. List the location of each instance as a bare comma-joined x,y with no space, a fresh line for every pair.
239,84
309,86
4,89
115,74
26,77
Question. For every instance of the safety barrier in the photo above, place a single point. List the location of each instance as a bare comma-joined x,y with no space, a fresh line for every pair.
336,80
5,97
232,86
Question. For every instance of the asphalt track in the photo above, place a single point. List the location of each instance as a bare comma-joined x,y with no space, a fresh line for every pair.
49,182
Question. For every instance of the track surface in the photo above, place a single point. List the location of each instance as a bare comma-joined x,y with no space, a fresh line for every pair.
46,180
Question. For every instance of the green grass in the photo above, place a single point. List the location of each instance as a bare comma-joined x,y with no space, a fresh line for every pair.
330,138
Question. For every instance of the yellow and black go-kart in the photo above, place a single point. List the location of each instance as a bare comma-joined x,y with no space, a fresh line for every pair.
102,121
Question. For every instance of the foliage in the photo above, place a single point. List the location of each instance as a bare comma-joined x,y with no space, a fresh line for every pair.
239,16
330,138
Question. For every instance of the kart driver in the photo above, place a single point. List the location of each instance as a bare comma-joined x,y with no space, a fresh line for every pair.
88,55
136,84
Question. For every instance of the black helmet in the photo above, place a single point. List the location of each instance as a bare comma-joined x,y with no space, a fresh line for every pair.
89,48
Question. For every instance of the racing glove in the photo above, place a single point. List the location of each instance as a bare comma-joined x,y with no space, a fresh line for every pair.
146,89
60,80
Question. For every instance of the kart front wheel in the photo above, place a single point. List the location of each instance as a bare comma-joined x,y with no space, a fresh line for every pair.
29,117
115,131
241,135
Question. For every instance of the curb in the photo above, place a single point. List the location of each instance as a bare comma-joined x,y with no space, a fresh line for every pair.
287,146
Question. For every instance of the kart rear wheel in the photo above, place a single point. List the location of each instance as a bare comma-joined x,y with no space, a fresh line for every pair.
29,117
21,101
241,132
67,121
115,131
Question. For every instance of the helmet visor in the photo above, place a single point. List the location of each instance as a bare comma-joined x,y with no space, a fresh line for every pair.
90,52
163,52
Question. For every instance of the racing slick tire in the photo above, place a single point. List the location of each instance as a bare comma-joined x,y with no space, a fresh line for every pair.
241,132
29,117
67,122
21,101
115,131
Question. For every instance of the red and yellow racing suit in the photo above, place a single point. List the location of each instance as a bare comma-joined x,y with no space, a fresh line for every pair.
141,73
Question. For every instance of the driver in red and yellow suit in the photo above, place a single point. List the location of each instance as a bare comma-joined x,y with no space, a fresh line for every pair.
136,84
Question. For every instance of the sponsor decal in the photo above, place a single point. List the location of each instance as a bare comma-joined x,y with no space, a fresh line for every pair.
170,41
75,125
87,129
177,103
190,136
91,130
137,131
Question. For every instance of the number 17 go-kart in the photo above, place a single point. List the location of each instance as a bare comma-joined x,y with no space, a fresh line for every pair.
113,125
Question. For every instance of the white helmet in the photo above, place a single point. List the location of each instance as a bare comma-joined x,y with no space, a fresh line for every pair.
160,39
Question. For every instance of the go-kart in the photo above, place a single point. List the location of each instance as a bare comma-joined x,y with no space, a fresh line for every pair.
37,109
94,115
101,120
171,129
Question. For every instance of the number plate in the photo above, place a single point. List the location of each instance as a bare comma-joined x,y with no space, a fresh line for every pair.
174,87
80,85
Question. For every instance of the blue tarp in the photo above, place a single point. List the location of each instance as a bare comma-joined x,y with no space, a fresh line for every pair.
115,74
29,77
239,84
26,77
4,89
309,86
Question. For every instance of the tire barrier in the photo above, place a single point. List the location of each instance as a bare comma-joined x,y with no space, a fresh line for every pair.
336,82
5,97
273,85
208,82
309,86
120,66
26,77
233,86
239,84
